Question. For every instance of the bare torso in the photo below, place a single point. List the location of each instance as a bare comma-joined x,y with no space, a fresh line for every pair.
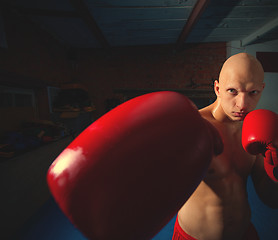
219,209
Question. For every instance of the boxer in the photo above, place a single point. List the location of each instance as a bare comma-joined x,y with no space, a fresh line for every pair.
218,209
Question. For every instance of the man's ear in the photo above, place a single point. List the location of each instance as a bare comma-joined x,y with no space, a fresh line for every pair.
216,87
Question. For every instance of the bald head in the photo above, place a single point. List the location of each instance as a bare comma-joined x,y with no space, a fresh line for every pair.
242,64
240,85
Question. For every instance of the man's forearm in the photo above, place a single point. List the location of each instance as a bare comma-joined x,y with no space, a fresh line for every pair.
265,187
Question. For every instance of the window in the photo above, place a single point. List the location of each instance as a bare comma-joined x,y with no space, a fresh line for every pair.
16,97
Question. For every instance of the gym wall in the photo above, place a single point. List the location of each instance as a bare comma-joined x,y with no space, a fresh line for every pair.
35,59
126,72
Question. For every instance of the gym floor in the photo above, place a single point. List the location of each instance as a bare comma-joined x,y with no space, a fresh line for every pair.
49,223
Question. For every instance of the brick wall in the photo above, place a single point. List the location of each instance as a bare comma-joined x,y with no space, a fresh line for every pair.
148,68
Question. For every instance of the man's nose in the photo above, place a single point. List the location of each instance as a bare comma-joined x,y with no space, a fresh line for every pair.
242,101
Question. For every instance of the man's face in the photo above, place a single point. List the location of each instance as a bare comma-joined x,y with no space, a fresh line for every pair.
239,93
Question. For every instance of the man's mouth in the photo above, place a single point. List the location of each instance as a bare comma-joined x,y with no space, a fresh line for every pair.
240,114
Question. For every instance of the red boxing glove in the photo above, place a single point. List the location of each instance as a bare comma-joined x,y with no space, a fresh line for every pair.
259,133
128,173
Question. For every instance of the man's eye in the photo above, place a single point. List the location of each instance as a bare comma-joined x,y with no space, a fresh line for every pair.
233,91
254,92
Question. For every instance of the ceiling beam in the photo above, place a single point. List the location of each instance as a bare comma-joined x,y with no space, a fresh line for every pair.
195,14
260,32
87,17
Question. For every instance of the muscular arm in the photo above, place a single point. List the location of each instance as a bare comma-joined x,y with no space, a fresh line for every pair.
266,189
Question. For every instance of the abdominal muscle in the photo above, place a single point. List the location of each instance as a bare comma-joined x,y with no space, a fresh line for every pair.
217,210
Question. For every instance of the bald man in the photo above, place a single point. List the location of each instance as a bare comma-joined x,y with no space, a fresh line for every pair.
219,209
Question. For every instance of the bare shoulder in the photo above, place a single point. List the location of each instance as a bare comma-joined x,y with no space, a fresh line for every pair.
206,113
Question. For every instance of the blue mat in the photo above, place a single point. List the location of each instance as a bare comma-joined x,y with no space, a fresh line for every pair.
50,223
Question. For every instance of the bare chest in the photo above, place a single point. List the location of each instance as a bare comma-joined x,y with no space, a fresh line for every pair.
234,160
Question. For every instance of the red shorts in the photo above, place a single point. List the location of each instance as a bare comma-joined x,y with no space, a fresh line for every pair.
179,234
